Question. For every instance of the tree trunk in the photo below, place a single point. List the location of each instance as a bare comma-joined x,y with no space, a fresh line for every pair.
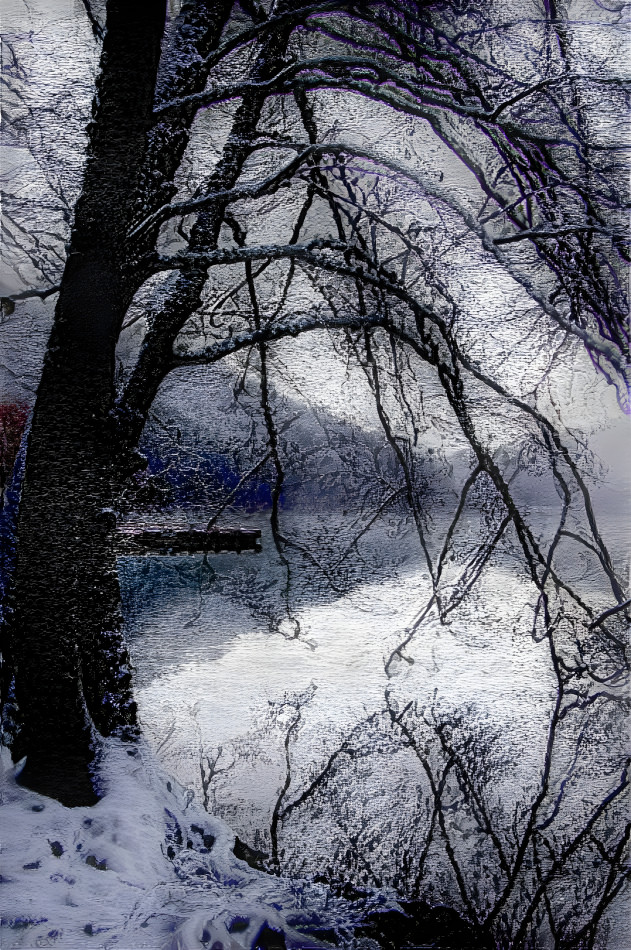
72,681
66,592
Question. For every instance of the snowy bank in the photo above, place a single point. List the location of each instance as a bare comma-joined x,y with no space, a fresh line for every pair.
146,867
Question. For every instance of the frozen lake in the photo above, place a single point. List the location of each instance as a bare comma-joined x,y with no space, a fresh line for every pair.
223,667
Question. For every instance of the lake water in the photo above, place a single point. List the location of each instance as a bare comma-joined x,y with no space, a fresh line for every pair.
231,668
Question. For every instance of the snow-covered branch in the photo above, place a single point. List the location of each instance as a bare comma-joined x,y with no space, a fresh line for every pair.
271,333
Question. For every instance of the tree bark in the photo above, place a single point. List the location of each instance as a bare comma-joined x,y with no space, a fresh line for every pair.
69,664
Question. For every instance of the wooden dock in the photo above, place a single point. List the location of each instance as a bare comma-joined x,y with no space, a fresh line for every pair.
136,540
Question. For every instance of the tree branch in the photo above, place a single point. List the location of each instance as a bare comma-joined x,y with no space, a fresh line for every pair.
270,333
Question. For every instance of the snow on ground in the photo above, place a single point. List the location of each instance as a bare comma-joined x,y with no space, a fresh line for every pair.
143,868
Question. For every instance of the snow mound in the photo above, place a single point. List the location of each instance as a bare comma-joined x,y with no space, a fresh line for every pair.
146,867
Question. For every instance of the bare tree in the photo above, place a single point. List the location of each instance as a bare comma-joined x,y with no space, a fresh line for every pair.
344,172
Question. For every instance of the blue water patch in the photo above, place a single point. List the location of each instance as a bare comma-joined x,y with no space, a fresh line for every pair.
9,502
